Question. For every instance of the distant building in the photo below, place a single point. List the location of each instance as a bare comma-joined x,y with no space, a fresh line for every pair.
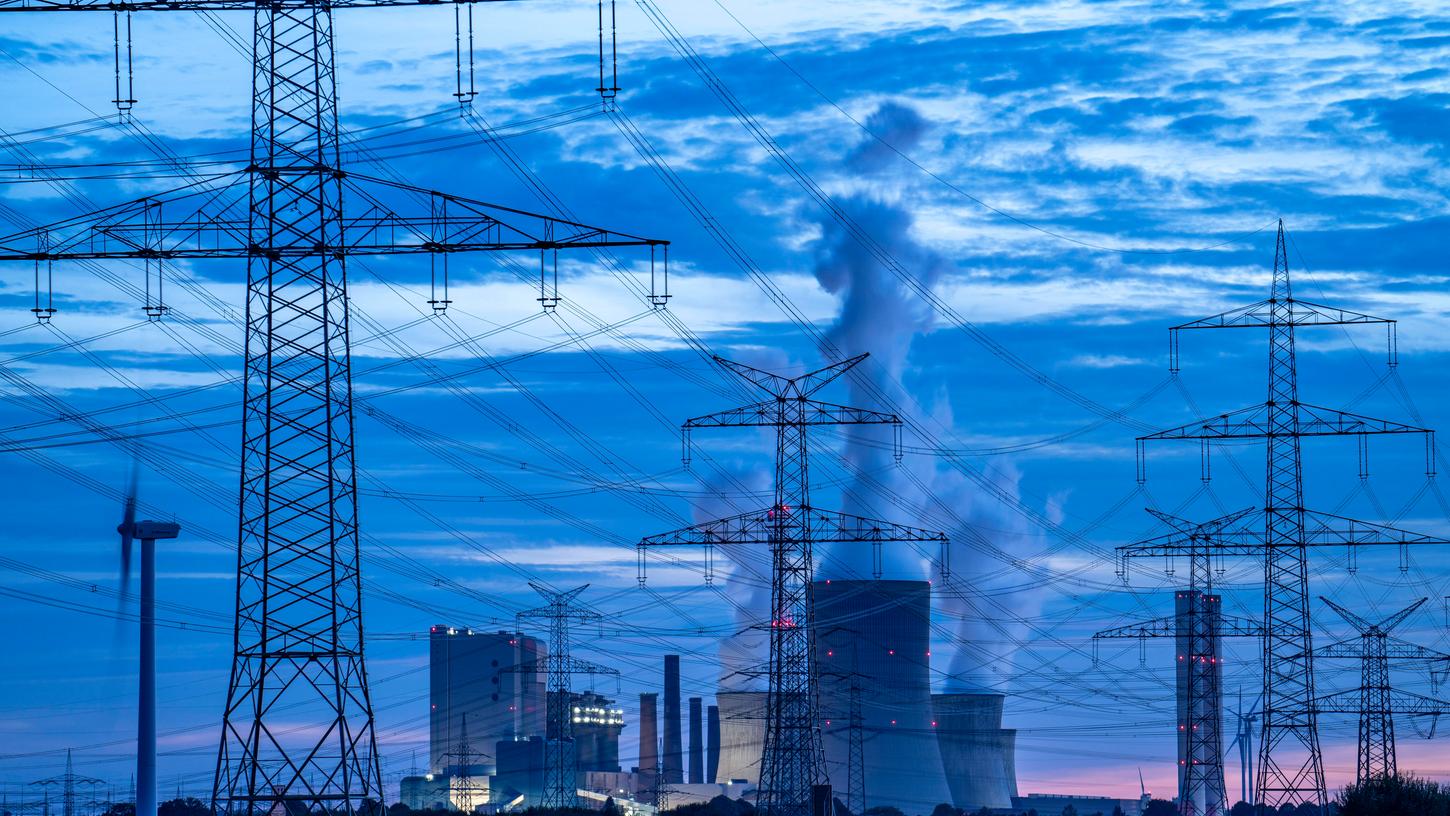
519,780
742,735
494,678
979,755
880,632
596,723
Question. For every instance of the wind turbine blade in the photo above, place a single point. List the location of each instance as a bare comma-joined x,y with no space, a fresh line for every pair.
127,529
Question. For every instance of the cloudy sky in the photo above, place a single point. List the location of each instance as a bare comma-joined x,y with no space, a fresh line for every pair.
1006,203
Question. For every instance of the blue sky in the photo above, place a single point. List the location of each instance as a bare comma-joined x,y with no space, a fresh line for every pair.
1134,157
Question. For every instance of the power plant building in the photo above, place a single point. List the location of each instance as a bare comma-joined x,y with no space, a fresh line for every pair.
874,636
978,754
494,679
742,735
595,723
873,642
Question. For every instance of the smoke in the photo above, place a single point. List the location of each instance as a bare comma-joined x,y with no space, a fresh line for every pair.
986,594
879,315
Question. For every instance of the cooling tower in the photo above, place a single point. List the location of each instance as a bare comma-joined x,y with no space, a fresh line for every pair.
742,734
879,631
977,754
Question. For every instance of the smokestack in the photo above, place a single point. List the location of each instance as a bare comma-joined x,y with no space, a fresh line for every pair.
648,732
697,736
674,764
712,744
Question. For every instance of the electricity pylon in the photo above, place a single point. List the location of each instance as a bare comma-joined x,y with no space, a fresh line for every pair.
561,757
297,730
1291,767
68,782
1197,626
1375,702
460,772
794,758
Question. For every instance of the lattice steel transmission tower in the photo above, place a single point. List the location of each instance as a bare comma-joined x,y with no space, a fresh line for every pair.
794,759
1197,627
298,646
460,771
1375,701
561,758
68,782
1291,767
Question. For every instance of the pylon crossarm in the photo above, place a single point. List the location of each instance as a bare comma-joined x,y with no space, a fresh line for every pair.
790,387
211,220
819,526
1327,529
1395,649
1301,313
1226,626
1320,530
1158,627
1254,423
770,413
1200,530
1351,701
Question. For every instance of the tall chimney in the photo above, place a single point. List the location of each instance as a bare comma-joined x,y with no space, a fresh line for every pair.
712,744
697,736
674,760
648,732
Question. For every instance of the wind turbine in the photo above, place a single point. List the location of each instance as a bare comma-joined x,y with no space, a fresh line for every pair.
147,532
1244,739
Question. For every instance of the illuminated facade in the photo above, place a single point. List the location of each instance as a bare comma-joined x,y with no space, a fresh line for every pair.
596,723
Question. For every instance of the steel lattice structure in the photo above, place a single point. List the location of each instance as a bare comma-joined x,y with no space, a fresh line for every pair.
1375,701
1291,767
298,649
561,760
1197,628
794,758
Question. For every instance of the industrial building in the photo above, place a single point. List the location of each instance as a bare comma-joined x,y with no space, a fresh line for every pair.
494,679
919,749
978,754
873,637
742,735
595,722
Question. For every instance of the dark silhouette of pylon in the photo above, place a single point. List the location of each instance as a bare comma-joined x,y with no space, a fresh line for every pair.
794,759
561,757
1291,766
460,774
68,782
298,645
1375,701
1198,626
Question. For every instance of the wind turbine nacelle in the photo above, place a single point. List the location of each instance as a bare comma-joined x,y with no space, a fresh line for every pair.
153,529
